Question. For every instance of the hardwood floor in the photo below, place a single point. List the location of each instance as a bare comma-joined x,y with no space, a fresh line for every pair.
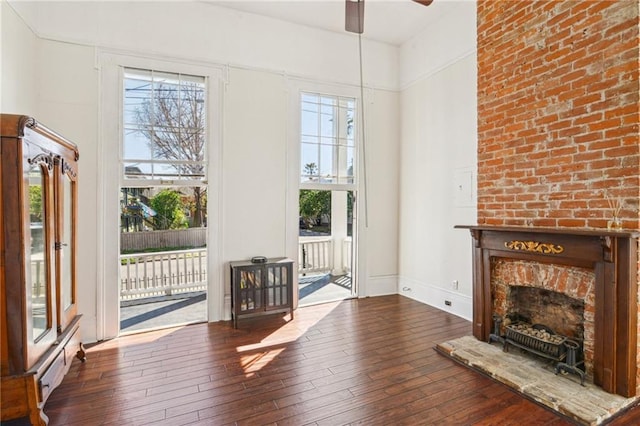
360,362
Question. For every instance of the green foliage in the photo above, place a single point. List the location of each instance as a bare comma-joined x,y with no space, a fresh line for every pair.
313,204
35,203
169,209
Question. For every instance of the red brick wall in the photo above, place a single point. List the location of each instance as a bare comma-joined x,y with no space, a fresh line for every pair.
558,115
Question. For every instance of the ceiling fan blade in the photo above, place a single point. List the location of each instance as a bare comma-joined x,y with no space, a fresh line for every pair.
424,2
354,16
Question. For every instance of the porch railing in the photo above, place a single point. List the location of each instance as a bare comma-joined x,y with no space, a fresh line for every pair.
315,255
346,254
164,273
145,275
38,282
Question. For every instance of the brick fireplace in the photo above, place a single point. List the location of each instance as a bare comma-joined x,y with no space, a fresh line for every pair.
611,302
558,158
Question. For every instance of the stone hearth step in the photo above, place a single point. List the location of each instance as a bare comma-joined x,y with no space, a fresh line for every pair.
535,378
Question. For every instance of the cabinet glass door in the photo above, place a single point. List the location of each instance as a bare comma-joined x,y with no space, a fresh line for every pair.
250,294
277,286
65,269
37,274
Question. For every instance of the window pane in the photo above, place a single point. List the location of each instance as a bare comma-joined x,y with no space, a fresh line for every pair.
195,140
166,171
309,97
137,99
308,162
310,139
350,162
350,121
136,143
191,105
325,100
327,138
137,170
309,123
328,124
164,141
165,78
326,162
161,208
165,116
166,106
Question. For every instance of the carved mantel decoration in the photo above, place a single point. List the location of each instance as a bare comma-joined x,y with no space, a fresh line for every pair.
612,255
535,246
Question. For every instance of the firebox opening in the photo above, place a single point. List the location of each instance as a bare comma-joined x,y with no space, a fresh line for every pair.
561,313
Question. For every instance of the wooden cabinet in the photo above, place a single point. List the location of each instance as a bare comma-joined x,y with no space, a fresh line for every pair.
39,317
261,288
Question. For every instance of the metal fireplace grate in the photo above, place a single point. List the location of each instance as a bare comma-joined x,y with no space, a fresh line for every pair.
537,339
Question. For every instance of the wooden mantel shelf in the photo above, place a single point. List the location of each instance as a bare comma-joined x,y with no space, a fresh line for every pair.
562,231
612,255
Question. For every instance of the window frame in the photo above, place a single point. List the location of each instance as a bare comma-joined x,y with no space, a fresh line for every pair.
338,96
110,64
126,181
339,105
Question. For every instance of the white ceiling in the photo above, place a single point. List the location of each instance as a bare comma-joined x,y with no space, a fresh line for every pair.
389,21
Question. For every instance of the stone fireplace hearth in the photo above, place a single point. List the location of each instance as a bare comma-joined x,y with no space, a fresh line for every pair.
536,380
594,267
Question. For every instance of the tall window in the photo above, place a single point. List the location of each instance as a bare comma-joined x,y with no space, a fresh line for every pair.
164,126
327,138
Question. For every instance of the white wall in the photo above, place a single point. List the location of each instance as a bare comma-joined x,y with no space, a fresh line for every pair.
254,172
203,31
380,242
18,64
67,84
256,117
438,161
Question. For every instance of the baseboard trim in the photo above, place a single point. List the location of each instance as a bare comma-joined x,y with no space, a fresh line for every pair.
460,304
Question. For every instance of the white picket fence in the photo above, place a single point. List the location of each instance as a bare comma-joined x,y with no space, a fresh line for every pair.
164,273
315,255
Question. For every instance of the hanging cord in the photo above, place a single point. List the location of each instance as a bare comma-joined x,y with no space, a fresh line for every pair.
364,152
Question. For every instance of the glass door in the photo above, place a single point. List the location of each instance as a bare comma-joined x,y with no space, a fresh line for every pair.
326,246
277,287
41,320
65,209
163,257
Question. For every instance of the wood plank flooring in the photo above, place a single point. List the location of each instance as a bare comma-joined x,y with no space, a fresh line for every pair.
358,362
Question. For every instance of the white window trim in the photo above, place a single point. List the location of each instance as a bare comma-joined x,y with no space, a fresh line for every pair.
110,180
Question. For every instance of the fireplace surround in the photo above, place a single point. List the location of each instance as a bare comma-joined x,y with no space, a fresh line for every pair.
613,258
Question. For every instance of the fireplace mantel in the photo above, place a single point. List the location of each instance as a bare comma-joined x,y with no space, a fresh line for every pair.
613,257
